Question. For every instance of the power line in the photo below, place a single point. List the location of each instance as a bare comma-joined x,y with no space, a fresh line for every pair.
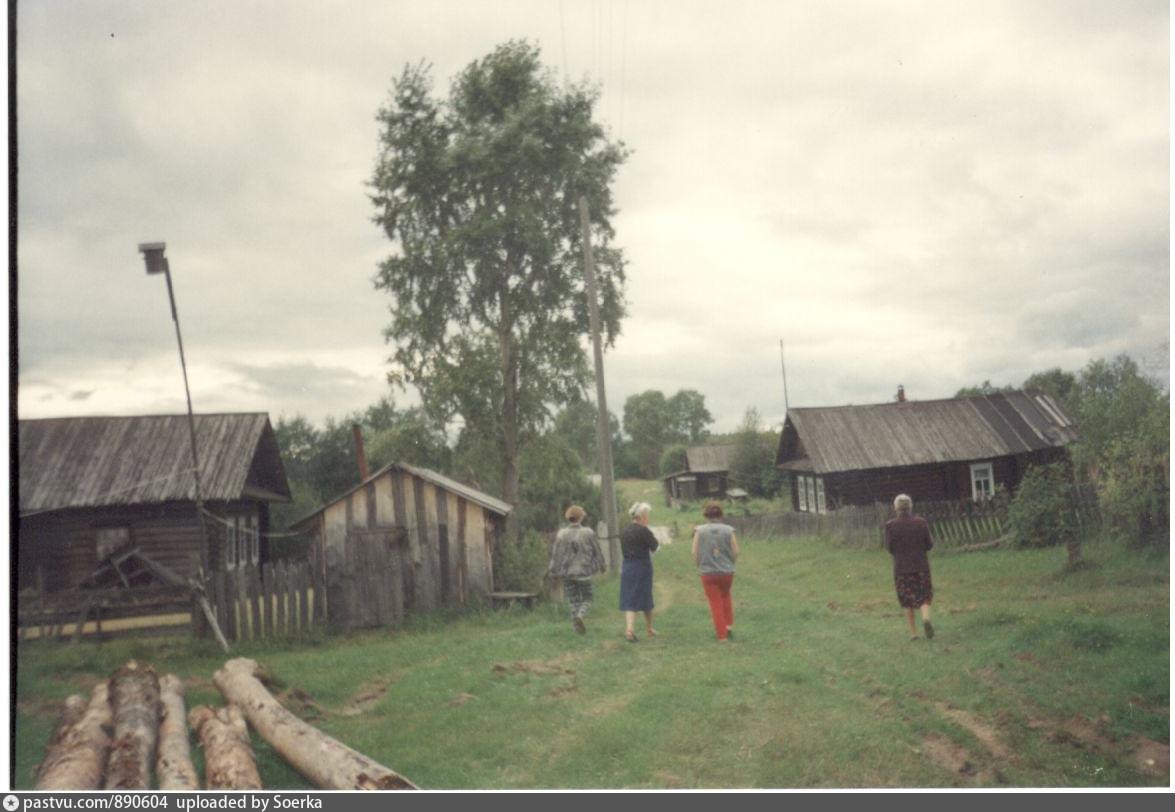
623,65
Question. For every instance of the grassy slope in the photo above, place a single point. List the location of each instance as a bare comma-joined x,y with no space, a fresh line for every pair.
1034,680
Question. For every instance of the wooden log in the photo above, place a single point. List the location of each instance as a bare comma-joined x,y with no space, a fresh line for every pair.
76,755
325,762
134,704
228,755
173,765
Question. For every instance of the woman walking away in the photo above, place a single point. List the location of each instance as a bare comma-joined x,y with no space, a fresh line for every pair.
715,551
907,538
576,557
637,543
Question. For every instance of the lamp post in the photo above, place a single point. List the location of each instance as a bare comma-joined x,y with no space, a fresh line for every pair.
157,263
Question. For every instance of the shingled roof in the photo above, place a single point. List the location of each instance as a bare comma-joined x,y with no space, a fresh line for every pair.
708,459
74,462
887,435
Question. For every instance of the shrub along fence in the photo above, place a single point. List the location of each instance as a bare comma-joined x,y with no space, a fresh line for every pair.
953,524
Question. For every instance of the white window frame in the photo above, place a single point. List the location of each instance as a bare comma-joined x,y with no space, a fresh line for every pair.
123,533
230,547
982,471
803,493
812,508
253,541
820,504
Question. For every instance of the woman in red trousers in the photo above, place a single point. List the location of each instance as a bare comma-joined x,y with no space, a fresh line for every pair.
715,551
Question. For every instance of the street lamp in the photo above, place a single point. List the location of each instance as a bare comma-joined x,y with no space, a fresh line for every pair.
157,263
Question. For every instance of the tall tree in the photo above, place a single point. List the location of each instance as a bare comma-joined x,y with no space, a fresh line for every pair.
752,461
647,422
479,193
689,415
576,424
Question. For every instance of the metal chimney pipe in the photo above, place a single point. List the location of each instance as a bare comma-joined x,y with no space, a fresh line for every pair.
357,433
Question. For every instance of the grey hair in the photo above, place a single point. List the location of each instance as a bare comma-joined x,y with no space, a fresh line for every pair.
903,501
639,509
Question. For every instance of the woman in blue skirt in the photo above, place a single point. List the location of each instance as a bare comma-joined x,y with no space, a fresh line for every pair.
637,543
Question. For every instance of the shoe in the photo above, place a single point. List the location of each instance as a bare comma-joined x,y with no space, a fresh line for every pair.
577,622
630,637
928,627
914,639
730,634
652,632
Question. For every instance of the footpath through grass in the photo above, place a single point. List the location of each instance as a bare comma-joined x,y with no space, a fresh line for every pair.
1034,679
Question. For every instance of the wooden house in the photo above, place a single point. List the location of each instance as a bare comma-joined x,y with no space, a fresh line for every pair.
404,539
952,449
706,474
93,486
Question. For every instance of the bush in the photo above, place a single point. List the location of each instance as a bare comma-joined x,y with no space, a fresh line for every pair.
521,566
673,460
1042,512
553,479
1135,486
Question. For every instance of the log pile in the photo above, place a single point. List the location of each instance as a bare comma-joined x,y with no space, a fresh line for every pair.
173,765
326,762
228,755
134,728
76,756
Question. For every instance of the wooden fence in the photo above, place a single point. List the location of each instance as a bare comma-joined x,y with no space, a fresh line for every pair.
101,612
952,524
261,603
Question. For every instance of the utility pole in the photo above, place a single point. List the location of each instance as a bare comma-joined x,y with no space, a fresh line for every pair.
153,255
603,430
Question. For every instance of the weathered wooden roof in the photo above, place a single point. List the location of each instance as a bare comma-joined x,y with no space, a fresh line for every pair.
886,435
73,462
451,485
705,459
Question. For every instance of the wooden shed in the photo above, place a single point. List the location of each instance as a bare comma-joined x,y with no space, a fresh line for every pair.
91,486
951,449
404,539
706,473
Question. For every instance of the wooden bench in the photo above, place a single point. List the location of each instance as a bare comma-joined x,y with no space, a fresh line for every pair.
505,599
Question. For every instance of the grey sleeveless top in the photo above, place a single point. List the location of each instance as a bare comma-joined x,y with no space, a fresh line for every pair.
715,553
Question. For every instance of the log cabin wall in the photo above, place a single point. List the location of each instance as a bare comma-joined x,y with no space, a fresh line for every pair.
63,545
446,547
944,481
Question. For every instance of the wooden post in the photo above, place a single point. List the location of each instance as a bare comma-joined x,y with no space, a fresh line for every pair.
304,598
267,598
603,429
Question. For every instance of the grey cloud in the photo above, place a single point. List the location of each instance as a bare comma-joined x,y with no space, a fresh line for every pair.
900,190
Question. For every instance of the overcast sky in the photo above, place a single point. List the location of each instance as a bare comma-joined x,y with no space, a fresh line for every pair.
925,193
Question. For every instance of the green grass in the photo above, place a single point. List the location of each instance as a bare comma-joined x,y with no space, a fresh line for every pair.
1034,679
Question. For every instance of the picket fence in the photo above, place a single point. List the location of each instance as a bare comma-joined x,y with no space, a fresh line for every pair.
952,524
273,601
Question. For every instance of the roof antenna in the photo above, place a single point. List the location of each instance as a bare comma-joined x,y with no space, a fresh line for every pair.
783,367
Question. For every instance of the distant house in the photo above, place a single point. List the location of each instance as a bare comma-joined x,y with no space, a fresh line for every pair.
957,448
706,473
404,539
91,486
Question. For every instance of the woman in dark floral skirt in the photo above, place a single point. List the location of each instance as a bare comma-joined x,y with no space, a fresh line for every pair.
907,538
